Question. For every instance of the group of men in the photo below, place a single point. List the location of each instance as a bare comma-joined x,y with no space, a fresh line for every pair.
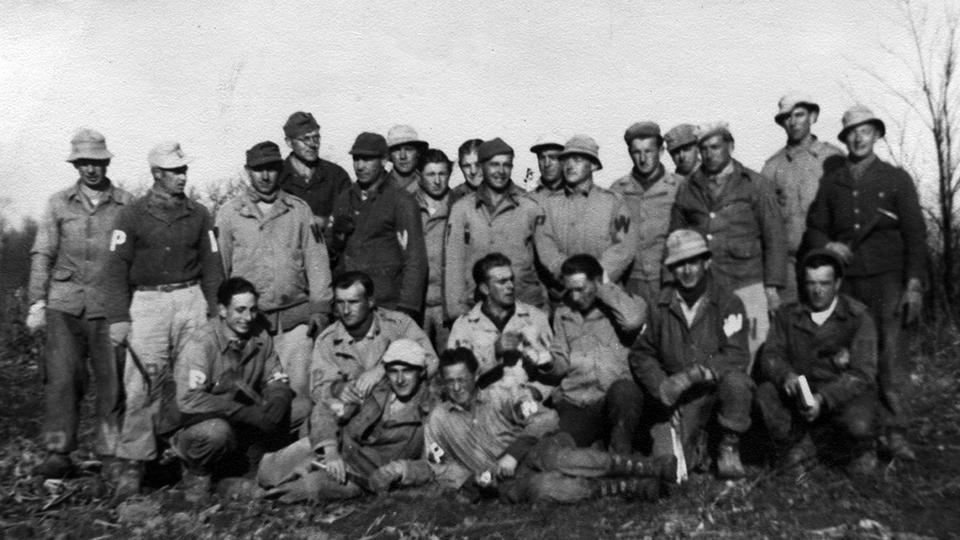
330,338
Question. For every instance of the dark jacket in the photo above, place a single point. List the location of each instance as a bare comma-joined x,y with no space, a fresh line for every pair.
742,225
161,240
386,242
326,183
878,215
795,344
667,345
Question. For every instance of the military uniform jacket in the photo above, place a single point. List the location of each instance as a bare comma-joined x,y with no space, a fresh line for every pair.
339,358
71,251
878,216
386,243
434,233
282,253
650,215
475,331
717,338
797,345
742,226
474,230
159,240
319,191
587,219
796,172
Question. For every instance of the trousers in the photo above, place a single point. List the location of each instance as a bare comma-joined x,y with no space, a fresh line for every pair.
613,420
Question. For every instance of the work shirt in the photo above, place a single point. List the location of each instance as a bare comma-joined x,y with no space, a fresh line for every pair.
742,225
650,215
475,331
339,358
476,229
408,184
161,239
500,421
281,252
715,339
213,360
381,429
387,243
320,189
878,216
797,345
795,171
589,350
434,230
70,254
586,219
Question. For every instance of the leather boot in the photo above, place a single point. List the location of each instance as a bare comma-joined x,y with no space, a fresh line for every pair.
728,462
662,467
646,489
57,465
128,482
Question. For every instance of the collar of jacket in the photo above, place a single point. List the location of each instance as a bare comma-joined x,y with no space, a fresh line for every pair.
341,334
289,173
222,336
166,207
844,174
583,188
479,398
482,195
249,208
442,209
647,183
814,148
670,297
567,313
800,314
76,194
380,185
476,314
701,179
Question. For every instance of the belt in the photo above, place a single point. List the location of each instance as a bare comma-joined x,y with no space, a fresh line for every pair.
167,287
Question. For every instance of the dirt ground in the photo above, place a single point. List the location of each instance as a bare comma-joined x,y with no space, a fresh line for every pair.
902,500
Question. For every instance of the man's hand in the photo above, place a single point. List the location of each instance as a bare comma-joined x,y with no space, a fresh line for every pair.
367,380
506,466
791,385
335,467
810,414
383,478
773,299
911,305
842,250
673,387
119,332
37,316
350,394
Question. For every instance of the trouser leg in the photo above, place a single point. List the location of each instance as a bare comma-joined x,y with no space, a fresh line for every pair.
778,414
755,304
857,419
293,348
64,377
434,328
106,371
555,487
584,423
623,404
735,397
204,444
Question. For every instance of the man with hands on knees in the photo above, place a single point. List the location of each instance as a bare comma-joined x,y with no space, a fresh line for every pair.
819,366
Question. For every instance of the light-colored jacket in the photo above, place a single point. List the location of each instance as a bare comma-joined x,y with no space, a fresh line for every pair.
434,229
475,331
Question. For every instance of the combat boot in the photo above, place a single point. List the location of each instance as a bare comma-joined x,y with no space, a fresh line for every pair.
57,465
129,480
662,467
728,462
195,486
645,489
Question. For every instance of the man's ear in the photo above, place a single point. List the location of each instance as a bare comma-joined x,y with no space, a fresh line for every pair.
222,310
813,117
289,142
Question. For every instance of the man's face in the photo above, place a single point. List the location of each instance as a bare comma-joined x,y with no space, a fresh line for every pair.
645,154
458,383
499,288
549,162
171,181
435,179
821,286
497,171
690,272
798,124
93,172
241,312
353,305
404,158
581,291
368,168
471,169
685,158
404,380
860,140
306,146
263,178
577,169
715,153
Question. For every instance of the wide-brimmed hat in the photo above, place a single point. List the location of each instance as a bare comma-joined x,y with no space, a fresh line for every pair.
683,244
548,140
88,144
263,153
583,145
168,155
405,351
404,134
641,130
857,116
790,102
493,147
369,144
680,136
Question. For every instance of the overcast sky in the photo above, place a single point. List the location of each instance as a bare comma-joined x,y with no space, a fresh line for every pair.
222,76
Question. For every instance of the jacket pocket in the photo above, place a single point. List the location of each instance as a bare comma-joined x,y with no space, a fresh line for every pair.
61,274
